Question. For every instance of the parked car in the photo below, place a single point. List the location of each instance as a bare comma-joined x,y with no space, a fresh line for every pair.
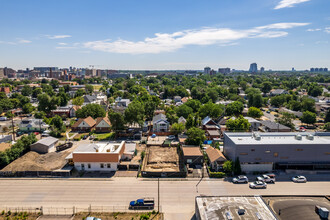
171,137
267,178
268,111
258,185
299,179
240,179
92,218
3,118
85,137
145,203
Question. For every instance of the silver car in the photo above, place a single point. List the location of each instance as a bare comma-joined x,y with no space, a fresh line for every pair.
240,179
93,218
299,179
266,178
258,185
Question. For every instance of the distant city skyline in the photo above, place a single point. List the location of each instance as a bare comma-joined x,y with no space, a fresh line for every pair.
170,35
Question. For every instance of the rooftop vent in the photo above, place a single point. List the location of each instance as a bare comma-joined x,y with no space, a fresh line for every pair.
298,137
241,210
257,136
310,137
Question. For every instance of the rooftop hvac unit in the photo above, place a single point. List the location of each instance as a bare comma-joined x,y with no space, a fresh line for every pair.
241,210
298,137
228,216
310,137
257,136
258,216
324,213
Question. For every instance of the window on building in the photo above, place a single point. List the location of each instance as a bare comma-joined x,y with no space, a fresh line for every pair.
267,151
89,166
108,165
284,157
82,166
253,149
299,149
275,154
258,158
327,153
189,160
243,153
101,165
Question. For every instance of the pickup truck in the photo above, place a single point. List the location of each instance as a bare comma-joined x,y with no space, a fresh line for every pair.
145,203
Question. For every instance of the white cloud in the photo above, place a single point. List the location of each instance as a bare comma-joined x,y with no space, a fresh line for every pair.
289,3
164,42
327,30
57,36
316,29
62,44
65,48
22,41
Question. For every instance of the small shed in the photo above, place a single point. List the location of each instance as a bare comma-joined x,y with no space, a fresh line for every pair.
44,145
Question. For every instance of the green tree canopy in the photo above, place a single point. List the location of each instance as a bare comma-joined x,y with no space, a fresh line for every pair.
78,101
234,108
134,113
93,110
238,124
177,128
308,117
196,136
255,112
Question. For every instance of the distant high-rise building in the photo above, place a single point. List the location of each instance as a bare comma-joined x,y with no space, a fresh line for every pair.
207,70
262,69
293,69
318,69
213,72
224,70
253,68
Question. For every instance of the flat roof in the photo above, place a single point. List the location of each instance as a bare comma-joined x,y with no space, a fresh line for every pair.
220,207
100,147
275,138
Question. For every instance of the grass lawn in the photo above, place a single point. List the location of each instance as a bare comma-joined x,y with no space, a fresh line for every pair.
121,216
104,136
97,87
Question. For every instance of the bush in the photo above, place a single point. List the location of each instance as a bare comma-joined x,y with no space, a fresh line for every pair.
217,174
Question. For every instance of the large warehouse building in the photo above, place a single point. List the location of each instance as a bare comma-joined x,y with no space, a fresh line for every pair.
282,150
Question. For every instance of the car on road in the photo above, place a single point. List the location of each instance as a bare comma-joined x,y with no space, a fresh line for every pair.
258,185
299,179
267,178
240,179
85,137
268,111
171,137
92,218
3,118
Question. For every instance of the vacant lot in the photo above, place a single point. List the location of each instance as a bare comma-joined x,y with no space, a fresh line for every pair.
4,146
33,161
161,159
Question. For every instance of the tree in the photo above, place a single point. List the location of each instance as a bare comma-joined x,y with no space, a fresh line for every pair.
255,100
26,90
254,112
196,136
234,108
308,104
89,89
266,87
228,166
57,126
314,90
93,110
134,113
238,124
212,110
327,126
78,101
27,108
308,117
64,98
79,92
194,104
40,115
46,103
237,167
177,128
286,119
327,116
184,111
117,121
36,92
171,116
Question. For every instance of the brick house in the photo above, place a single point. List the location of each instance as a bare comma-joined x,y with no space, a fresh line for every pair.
84,125
103,125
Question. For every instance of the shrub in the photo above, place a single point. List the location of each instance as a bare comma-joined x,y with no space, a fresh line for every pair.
217,174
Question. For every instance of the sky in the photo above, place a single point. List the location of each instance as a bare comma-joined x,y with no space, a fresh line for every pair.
165,35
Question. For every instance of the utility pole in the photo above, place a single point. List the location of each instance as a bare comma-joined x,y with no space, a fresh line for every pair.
158,194
12,123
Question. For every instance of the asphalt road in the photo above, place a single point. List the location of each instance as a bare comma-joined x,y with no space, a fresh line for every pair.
176,197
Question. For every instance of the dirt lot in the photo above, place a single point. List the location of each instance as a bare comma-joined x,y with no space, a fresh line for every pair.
33,161
162,159
118,216
4,146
